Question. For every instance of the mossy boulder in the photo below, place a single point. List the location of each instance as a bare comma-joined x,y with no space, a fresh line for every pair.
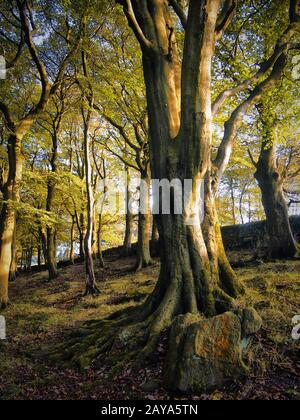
204,354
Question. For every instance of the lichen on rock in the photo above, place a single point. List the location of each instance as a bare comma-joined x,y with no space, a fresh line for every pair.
207,353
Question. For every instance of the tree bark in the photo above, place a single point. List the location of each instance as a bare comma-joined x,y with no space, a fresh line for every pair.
91,285
281,241
51,231
11,195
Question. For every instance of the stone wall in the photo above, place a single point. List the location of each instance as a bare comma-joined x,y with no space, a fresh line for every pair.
252,235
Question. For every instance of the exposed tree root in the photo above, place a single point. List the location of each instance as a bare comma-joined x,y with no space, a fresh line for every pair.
131,333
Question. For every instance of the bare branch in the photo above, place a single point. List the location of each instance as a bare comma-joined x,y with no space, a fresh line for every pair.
252,158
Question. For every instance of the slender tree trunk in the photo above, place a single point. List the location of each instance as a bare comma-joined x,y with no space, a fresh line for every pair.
43,238
281,241
99,241
233,203
95,235
11,194
39,255
91,286
81,237
51,232
127,245
144,223
72,241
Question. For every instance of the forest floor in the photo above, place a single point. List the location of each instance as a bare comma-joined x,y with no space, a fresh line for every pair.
44,313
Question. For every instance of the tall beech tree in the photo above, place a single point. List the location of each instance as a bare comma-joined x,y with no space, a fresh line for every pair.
195,275
19,17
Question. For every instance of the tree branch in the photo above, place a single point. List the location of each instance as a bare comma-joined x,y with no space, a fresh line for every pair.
252,158
264,68
25,22
7,116
129,12
178,9
225,17
232,125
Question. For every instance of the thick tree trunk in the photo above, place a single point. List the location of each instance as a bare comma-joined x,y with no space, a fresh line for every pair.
195,274
144,223
11,194
281,241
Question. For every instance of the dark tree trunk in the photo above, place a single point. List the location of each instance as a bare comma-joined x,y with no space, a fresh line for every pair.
281,241
127,245
81,237
39,255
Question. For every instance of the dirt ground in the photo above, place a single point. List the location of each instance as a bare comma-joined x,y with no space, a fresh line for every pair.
43,314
